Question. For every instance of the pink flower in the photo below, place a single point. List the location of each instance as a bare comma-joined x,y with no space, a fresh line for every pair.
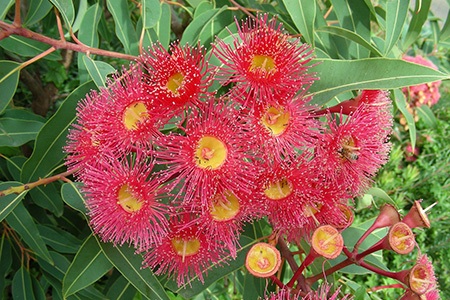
284,130
323,293
263,64
426,93
127,117
185,252
178,77
123,201
211,155
353,149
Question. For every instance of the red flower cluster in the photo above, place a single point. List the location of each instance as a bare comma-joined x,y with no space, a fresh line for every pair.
176,170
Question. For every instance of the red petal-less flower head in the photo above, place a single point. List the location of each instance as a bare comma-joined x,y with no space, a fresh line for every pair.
284,131
263,63
123,201
178,77
212,155
352,150
128,116
185,252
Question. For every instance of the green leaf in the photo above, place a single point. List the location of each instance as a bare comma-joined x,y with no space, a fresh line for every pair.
396,12
4,8
49,143
38,290
129,265
86,268
37,10
121,289
445,32
66,9
16,132
27,47
21,285
377,192
303,13
427,115
420,15
161,31
351,36
98,70
21,221
337,76
400,101
6,259
124,27
81,12
9,202
88,33
59,239
72,196
48,197
151,12
9,78
204,26
214,272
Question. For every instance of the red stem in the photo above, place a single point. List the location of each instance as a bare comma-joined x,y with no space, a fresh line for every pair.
11,29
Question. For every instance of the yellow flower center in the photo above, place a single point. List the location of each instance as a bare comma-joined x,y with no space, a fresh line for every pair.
134,114
401,238
263,260
264,63
175,82
185,247
327,241
224,206
211,153
276,120
278,190
127,201
419,279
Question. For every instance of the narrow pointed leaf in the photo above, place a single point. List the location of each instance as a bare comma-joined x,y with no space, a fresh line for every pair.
16,132
86,268
420,15
6,259
9,78
4,7
396,12
130,266
21,221
37,10
81,12
151,11
9,202
337,76
27,47
59,239
445,32
427,115
51,139
303,13
22,287
124,27
401,104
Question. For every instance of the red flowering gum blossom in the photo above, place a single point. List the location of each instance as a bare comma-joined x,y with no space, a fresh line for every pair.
178,77
421,280
263,260
401,238
263,63
327,241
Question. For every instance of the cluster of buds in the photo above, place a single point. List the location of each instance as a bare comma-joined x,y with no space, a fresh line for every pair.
176,168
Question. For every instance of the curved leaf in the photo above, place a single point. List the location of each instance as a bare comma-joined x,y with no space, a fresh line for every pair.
9,78
49,143
37,10
21,221
98,70
4,8
420,15
124,27
337,76
66,9
351,36
72,196
59,239
396,12
48,197
21,285
151,12
26,47
86,268
81,12
303,13
129,265
401,104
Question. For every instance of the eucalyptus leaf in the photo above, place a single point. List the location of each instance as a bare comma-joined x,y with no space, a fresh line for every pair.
124,27
400,101
98,70
66,9
16,132
9,202
22,287
396,12
26,47
9,78
303,13
37,10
